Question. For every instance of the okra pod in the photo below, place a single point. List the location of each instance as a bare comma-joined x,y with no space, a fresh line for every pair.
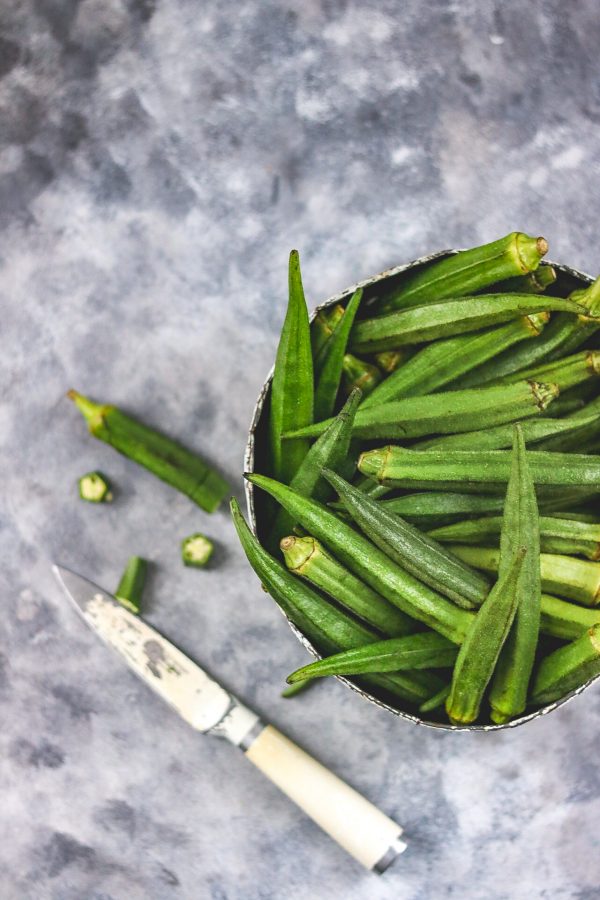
436,701
566,373
369,563
414,551
165,458
481,648
441,362
360,374
298,688
131,585
436,507
331,451
469,270
196,550
534,282
95,488
426,650
445,413
449,317
329,628
564,620
564,335
510,681
587,424
323,326
568,668
331,360
399,466
306,557
571,578
539,431
562,536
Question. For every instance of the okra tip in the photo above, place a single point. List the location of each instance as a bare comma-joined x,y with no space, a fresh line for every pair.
86,407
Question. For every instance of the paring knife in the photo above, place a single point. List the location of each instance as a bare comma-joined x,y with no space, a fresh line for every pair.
358,826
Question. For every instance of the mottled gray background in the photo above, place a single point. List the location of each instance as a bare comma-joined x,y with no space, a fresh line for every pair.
158,159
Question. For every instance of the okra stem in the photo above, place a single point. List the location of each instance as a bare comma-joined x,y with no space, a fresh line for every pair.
534,283
568,668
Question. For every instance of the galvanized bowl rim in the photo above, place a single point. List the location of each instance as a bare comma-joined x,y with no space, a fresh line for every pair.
249,490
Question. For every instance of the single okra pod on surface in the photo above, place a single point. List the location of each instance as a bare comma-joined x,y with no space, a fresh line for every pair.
445,413
566,576
291,399
196,550
568,668
306,557
330,361
450,317
468,270
426,650
131,585
95,488
323,326
328,627
369,563
165,458
442,361
360,374
414,551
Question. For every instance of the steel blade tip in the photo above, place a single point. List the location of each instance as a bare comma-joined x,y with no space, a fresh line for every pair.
80,590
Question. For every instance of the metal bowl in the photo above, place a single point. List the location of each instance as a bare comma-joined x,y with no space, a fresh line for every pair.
568,280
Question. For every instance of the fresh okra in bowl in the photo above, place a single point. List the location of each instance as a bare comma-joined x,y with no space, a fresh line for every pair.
423,473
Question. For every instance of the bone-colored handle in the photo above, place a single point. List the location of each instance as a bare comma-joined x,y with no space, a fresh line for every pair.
358,826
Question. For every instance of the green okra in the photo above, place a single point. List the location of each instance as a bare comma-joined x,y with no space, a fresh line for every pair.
436,701
571,578
468,270
567,372
330,361
445,413
534,282
510,681
562,336
95,488
291,403
539,431
165,458
481,648
450,317
389,360
369,563
306,557
557,535
360,374
565,620
398,466
426,650
297,688
563,406
442,361
131,585
196,550
426,508
331,450
587,427
417,553
568,668
323,326
329,628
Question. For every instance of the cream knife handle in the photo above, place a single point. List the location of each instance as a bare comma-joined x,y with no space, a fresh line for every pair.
358,826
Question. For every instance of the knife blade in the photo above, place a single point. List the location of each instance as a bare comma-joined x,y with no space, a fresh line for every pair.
355,823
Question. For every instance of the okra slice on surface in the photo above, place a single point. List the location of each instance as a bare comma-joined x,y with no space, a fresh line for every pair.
165,458
328,370
369,563
569,577
131,585
450,317
414,551
442,361
398,466
306,557
510,682
329,628
561,536
360,374
469,270
196,550
426,650
323,325
481,648
445,413
95,488
291,401
568,668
